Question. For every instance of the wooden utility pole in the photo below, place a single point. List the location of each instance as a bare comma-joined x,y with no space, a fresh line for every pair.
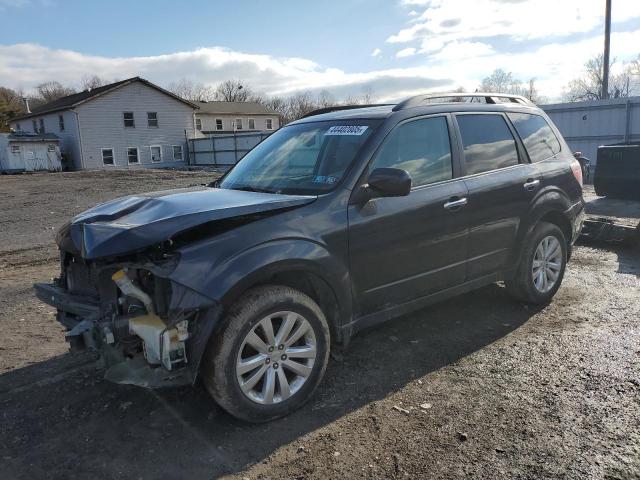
605,62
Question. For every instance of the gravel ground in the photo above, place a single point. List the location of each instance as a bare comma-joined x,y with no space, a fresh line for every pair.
479,386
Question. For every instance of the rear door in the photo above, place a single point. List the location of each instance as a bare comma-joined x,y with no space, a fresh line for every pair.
501,184
403,248
545,153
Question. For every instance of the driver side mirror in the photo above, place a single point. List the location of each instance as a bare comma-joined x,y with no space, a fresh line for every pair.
384,182
389,182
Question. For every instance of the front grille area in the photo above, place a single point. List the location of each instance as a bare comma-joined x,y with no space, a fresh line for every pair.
78,277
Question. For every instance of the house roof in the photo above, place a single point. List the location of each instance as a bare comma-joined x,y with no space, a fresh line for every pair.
32,137
244,108
75,99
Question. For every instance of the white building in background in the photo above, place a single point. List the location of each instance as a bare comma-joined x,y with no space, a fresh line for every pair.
587,125
127,124
24,152
235,117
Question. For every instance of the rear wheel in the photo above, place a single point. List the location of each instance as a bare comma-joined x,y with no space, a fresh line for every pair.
542,265
270,355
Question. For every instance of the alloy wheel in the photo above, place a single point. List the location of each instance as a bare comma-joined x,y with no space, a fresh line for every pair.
547,263
276,357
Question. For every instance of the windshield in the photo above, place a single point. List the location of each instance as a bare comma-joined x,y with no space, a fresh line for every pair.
304,159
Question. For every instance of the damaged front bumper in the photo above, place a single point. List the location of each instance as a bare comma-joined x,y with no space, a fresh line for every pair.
136,344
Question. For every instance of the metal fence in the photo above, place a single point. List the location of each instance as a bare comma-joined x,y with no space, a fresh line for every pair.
221,150
587,125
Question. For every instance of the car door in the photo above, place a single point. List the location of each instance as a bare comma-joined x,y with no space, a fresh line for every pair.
403,248
501,184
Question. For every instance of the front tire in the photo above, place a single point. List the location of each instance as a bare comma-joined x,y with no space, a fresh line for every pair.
269,356
542,265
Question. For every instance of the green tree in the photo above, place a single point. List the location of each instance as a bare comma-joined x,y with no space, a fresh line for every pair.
10,107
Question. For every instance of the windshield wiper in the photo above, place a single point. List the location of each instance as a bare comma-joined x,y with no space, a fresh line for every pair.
247,188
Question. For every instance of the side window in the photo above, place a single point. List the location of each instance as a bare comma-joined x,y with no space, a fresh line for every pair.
536,134
487,141
420,147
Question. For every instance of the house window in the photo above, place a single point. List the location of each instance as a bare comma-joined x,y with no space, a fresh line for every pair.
107,156
238,124
42,125
35,126
61,123
15,148
156,153
252,124
132,155
152,119
219,124
198,124
129,121
177,152
269,124
51,147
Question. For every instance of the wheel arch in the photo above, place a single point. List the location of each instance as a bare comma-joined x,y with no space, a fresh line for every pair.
550,206
303,265
303,279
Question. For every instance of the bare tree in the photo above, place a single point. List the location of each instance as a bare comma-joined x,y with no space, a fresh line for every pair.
235,91
501,82
367,97
530,91
195,92
325,99
89,82
505,82
49,91
589,85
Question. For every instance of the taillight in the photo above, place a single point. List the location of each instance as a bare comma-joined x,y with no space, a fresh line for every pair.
576,168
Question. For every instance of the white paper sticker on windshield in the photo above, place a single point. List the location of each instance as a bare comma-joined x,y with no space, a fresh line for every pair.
346,130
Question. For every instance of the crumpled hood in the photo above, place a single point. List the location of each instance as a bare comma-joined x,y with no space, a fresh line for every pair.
130,223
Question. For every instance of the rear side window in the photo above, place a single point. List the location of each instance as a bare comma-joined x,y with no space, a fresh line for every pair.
488,143
536,134
420,147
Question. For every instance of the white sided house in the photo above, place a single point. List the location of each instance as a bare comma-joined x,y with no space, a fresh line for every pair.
223,118
128,124
26,152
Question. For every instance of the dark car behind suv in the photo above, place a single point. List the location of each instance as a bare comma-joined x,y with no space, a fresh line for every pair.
336,222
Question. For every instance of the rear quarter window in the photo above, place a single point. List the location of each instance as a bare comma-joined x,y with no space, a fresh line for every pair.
536,134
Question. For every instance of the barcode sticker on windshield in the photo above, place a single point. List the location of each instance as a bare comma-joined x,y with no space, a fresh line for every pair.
346,130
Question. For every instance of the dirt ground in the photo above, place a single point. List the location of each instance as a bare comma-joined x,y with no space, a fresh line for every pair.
479,387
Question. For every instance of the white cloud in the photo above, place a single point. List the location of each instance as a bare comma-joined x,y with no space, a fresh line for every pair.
26,65
459,50
552,65
549,40
526,19
406,52
376,52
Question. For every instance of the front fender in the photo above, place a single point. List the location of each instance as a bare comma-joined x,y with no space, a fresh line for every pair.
226,280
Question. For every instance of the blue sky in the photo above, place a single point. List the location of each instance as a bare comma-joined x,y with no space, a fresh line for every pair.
390,48
317,30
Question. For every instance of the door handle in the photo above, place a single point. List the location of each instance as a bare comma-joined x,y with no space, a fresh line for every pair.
455,204
530,185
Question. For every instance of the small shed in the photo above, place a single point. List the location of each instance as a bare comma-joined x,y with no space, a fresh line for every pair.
28,152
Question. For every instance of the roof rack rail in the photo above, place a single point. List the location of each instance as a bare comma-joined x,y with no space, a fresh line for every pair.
488,97
337,108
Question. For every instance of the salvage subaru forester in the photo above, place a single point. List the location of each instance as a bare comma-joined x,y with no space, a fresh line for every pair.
338,221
